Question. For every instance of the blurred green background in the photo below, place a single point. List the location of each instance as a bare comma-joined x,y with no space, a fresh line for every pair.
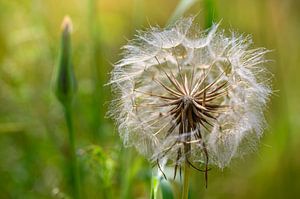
33,137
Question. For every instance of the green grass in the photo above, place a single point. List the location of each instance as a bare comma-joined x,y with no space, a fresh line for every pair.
33,133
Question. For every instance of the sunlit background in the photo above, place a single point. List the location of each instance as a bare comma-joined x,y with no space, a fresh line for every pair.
33,134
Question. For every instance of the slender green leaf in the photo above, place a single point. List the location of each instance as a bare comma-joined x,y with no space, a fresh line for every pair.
166,190
210,10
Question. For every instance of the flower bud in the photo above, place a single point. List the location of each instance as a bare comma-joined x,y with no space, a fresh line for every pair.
64,78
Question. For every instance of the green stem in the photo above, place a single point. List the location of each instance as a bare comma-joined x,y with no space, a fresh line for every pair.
185,189
154,186
74,180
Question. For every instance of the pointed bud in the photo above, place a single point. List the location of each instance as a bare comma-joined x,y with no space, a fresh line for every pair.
64,79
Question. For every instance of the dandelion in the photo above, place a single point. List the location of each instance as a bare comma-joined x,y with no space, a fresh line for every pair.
189,97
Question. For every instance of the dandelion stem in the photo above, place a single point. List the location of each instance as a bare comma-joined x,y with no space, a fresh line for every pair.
74,180
154,186
186,176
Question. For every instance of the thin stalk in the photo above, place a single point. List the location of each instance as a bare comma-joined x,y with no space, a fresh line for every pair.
186,183
154,186
74,179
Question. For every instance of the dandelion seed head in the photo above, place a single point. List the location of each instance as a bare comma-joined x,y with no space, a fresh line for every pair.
186,94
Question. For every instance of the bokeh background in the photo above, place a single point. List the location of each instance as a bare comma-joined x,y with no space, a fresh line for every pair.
33,136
